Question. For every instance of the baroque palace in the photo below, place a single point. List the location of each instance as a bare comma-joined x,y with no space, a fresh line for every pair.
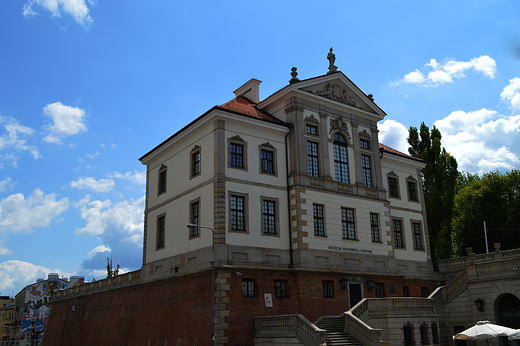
316,232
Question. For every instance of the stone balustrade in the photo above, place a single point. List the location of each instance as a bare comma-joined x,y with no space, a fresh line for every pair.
288,326
118,281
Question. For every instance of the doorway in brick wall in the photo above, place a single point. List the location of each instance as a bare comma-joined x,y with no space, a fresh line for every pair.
354,294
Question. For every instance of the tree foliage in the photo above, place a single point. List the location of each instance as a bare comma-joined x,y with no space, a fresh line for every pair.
111,272
439,184
494,198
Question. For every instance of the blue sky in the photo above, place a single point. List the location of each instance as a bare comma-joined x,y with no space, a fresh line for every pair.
87,87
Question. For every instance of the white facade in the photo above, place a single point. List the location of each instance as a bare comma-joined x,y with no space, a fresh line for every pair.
303,116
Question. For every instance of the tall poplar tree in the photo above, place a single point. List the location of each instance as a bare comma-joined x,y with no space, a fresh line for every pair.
439,184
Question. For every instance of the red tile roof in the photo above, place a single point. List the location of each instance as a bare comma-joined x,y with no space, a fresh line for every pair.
243,105
396,152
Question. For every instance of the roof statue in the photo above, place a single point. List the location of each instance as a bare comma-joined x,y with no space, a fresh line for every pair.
332,59
294,79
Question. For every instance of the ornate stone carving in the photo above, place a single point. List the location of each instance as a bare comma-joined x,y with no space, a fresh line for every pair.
162,167
312,119
237,138
335,93
340,125
364,133
195,148
267,144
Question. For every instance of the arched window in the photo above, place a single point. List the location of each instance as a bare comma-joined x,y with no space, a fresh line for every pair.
340,158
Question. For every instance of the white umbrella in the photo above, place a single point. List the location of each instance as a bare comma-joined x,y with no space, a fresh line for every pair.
514,335
484,330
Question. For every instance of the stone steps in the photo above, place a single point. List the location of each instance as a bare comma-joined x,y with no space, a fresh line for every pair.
335,332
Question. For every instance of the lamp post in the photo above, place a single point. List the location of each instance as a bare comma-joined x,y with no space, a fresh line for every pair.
212,279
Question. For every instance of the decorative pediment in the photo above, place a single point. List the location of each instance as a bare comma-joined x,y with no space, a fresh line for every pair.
312,119
267,144
237,138
336,93
162,168
195,148
412,178
392,173
364,133
340,125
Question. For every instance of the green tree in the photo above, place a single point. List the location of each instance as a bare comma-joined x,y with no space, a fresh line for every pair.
495,199
111,272
439,183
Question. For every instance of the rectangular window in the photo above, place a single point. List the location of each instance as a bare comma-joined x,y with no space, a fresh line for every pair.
380,289
280,288
248,287
417,243
267,161
312,159
425,292
269,217
406,291
412,195
311,130
348,226
195,218
162,180
237,213
398,234
374,227
236,155
161,224
195,163
328,289
367,174
392,187
319,223
363,143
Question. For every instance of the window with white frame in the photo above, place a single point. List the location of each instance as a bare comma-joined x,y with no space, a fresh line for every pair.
348,225
374,227
367,173
340,158
319,222
398,234
312,159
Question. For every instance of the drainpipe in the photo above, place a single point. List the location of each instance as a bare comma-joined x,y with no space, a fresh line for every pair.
291,127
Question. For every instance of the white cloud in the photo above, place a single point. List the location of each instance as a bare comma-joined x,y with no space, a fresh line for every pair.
124,217
76,8
18,214
100,248
481,140
136,177
92,156
18,274
82,201
11,143
511,93
449,70
101,185
67,121
3,250
6,184
393,134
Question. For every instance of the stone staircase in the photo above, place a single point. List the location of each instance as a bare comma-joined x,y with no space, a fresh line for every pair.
336,335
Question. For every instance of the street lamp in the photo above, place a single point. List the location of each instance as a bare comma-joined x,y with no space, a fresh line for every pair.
212,279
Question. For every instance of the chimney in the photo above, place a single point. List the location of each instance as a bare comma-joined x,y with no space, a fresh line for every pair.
250,90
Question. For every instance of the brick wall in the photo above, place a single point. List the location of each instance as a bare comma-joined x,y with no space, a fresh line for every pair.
161,313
